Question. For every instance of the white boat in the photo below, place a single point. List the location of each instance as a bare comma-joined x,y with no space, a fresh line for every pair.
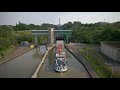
61,64
60,61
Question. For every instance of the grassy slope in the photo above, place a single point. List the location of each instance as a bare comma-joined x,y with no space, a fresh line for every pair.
97,63
17,33
102,70
6,52
10,49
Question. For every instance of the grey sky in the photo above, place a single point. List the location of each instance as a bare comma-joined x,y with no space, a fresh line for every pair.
11,18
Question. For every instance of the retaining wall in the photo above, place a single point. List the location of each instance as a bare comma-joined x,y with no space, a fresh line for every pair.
110,51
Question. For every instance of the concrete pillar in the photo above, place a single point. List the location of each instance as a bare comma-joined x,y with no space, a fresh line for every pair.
55,38
36,40
52,39
67,39
47,39
51,35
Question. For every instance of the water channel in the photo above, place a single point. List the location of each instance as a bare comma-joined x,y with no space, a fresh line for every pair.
24,65
75,68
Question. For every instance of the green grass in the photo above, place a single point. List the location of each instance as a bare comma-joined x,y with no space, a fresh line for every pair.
101,69
6,52
17,33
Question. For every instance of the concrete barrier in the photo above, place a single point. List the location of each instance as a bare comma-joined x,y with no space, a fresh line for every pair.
110,51
40,64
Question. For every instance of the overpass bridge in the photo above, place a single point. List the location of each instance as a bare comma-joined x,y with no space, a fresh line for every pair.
53,35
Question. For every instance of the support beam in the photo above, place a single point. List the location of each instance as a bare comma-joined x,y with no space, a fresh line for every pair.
52,34
67,39
36,40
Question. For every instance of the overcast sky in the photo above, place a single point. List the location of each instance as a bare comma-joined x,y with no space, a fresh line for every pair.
11,18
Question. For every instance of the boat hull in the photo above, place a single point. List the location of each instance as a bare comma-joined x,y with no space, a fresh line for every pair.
59,68
64,70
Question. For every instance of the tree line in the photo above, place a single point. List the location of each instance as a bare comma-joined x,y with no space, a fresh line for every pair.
44,26
92,33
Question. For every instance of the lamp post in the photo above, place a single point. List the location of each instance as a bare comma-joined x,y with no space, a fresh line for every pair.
112,68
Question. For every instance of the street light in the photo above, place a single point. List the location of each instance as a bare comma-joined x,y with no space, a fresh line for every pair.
112,68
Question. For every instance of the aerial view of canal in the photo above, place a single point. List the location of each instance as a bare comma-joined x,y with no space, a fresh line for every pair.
75,68
24,66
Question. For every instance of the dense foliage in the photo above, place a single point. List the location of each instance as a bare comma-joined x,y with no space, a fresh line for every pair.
6,37
44,26
94,33
10,37
86,33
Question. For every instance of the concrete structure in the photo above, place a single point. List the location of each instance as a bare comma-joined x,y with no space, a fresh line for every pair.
37,32
24,43
110,51
42,61
52,34
66,33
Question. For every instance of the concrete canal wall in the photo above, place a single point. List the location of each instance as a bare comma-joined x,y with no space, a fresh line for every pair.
42,61
16,55
86,65
110,51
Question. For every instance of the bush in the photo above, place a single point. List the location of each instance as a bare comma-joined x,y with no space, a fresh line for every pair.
5,42
2,54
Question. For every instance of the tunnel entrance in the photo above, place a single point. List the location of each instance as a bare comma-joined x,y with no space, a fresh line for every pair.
59,37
